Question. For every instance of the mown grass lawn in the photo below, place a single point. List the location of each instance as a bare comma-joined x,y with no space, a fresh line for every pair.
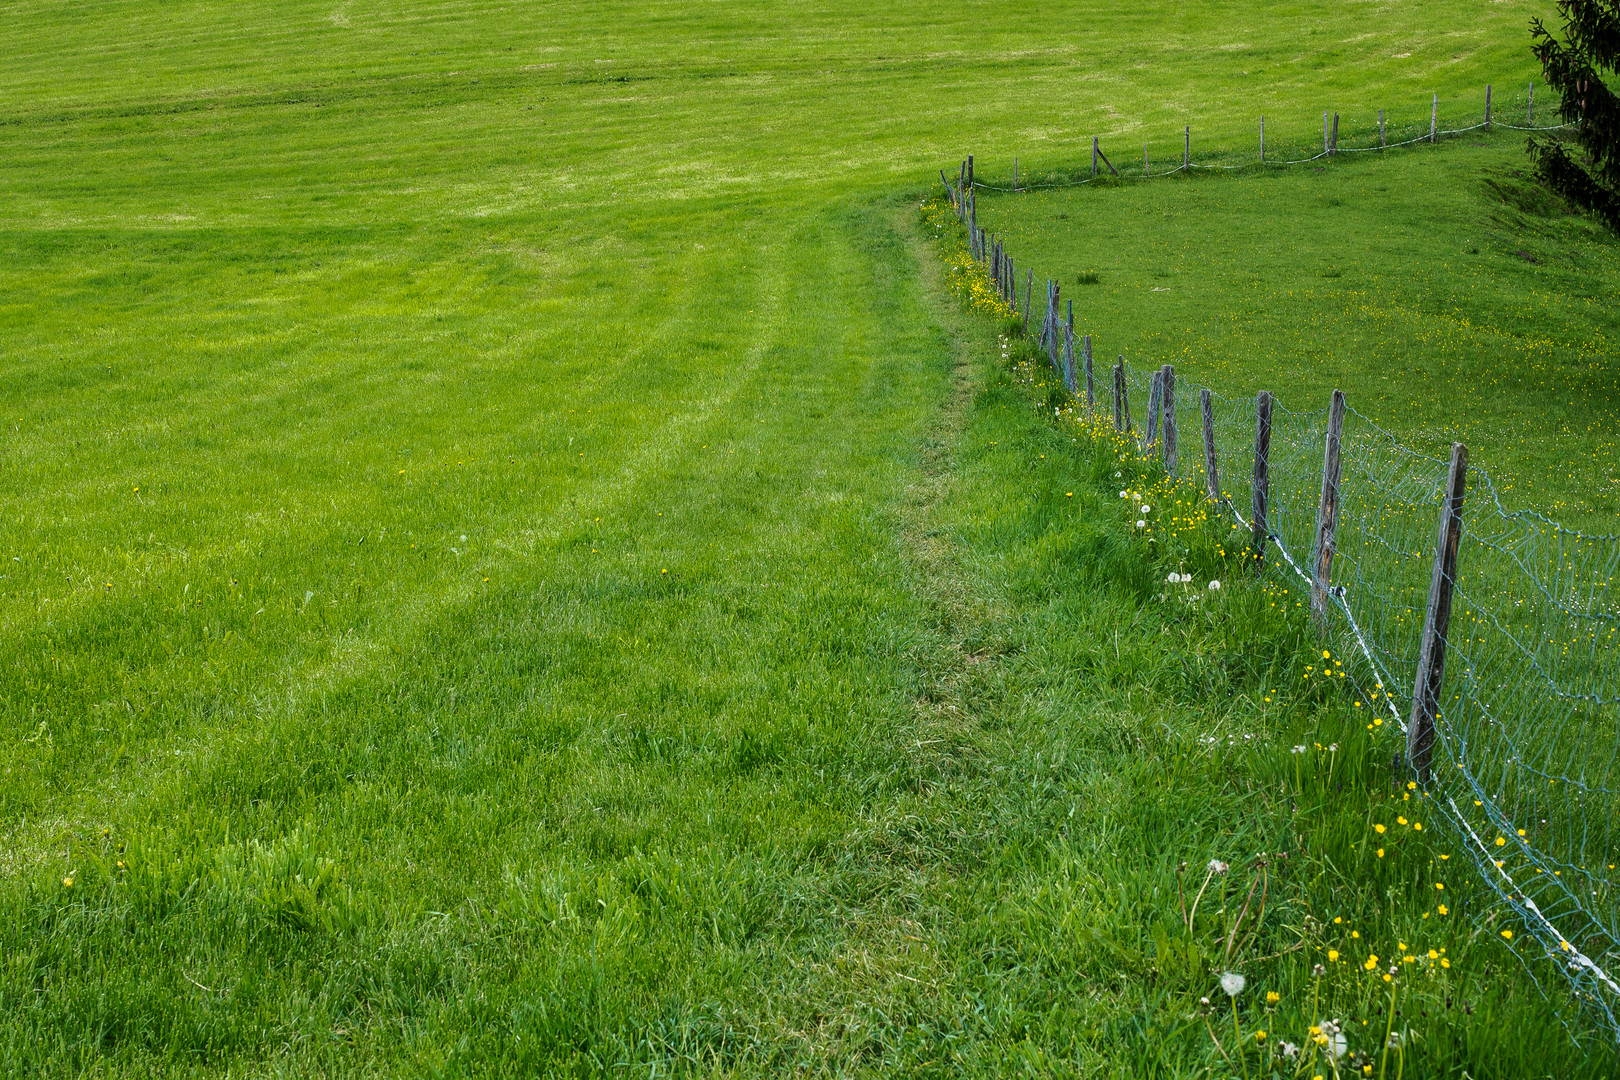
494,576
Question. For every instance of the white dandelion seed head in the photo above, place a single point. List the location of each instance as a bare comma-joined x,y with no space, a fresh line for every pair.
1140,524
1146,509
1215,865
1214,586
1124,494
1232,984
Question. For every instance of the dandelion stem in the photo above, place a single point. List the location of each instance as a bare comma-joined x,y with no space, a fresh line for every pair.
1244,1058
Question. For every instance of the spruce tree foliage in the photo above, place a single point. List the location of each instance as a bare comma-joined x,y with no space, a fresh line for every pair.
1591,178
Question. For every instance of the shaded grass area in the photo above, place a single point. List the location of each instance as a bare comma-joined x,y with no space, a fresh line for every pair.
1442,291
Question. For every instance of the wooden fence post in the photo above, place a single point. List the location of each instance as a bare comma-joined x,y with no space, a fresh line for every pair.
1530,105
1434,118
1015,172
1262,139
1437,619
1186,148
1091,390
1094,157
1333,144
1487,106
1211,481
1122,399
1261,486
1068,352
1168,399
1327,513
1381,143
1052,350
970,172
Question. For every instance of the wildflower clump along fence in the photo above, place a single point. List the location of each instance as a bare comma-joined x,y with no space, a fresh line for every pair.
1480,641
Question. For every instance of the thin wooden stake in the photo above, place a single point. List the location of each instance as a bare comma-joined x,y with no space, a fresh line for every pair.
1168,403
970,172
1381,143
1122,399
1155,392
1333,144
1091,389
1094,153
1325,148
1327,513
1487,106
1212,485
1434,118
1437,619
1260,488
1186,148
1106,162
1015,172
1262,139
1052,350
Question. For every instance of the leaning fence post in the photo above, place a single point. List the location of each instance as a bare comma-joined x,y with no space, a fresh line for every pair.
1167,397
1068,352
1262,465
1487,106
1434,118
1211,481
1437,619
1091,390
1327,512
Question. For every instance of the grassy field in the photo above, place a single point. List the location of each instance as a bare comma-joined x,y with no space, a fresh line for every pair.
1446,296
506,569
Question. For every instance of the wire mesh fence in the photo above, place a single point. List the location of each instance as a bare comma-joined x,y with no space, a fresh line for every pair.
1525,765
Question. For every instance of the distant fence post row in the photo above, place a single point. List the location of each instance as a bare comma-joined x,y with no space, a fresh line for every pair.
1330,146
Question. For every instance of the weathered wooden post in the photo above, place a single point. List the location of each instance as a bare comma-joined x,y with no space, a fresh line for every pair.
1487,106
1167,396
1057,319
1068,352
1122,399
1186,148
1262,140
1327,513
1211,482
1437,619
1091,390
1434,118
1260,487
970,172
1381,142
1094,157
1333,143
